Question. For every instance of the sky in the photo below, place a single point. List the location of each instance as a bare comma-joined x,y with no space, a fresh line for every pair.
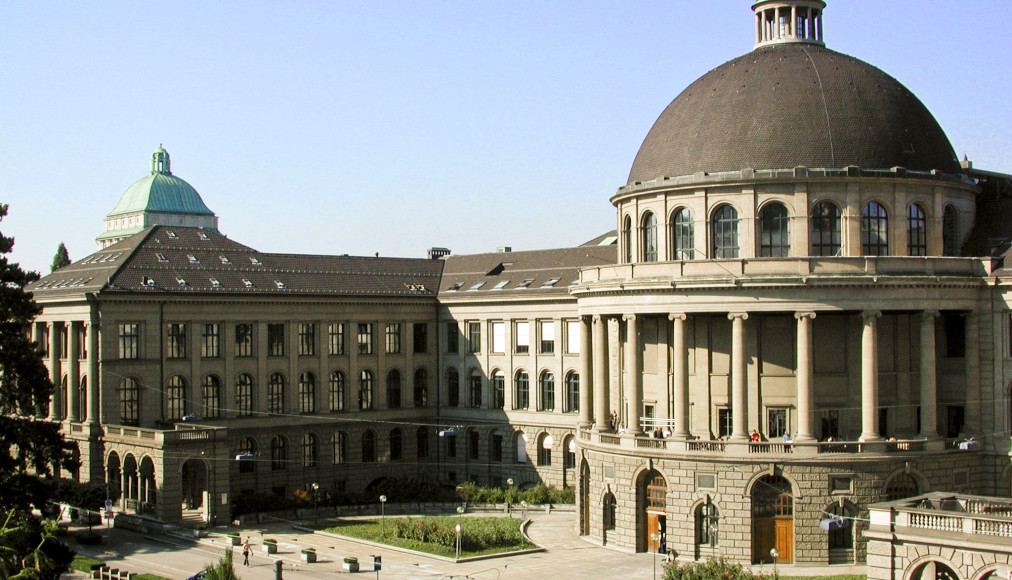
351,127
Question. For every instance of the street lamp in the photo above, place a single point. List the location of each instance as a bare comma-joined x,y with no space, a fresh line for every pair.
523,510
775,553
656,539
383,514
316,501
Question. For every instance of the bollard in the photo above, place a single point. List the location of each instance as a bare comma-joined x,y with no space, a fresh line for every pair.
277,569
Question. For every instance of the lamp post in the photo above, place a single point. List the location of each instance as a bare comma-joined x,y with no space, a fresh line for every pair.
774,553
509,496
655,538
383,515
523,510
316,502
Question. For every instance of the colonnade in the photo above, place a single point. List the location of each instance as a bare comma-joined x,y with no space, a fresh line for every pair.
73,330
595,409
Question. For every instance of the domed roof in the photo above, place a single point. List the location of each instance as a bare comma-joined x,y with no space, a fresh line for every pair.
796,104
161,192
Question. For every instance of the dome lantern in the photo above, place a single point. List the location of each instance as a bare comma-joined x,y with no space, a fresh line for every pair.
780,21
160,162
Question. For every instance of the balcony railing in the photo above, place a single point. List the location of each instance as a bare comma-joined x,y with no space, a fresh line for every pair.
942,512
156,437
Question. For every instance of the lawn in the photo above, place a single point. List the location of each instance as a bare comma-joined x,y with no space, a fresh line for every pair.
862,577
437,535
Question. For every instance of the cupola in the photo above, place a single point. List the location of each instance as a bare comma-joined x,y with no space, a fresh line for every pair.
781,21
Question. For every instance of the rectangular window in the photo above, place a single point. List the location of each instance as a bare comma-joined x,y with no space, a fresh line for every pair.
276,339
776,424
547,337
829,425
523,337
498,337
211,344
472,444
82,341
474,336
573,336
244,339
452,337
393,338
176,343
365,338
725,425
451,445
129,340
336,337
307,339
421,342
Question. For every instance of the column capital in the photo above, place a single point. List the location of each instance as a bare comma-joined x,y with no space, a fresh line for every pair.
801,315
629,317
596,318
677,316
930,313
871,314
741,315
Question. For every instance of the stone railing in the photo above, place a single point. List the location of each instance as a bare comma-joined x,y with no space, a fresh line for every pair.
137,435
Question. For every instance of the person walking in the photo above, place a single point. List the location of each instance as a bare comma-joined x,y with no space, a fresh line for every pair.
246,549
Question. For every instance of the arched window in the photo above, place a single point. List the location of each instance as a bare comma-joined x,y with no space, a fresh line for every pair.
950,232
649,237
498,390
421,388
569,452
725,233
495,446
545,449
475,388
572,392
874,230
396,444
825,229
422,442
452,388
368,446
707,519
335,395
522,400
212,396
609,506
917,231
279,455
339,441
627,240
365,390
394,389
841,537
247,447
307,392
903,485
276,394
547,399
129,402
244,395
682,238
176,393
933,571
774,231
309,450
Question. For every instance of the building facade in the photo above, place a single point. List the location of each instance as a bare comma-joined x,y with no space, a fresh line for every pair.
803,309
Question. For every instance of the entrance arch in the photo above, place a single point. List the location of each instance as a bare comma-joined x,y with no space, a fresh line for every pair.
651,514
194,475
772,520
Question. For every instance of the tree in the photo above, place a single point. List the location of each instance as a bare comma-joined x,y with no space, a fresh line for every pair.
223,569
61,259
30,448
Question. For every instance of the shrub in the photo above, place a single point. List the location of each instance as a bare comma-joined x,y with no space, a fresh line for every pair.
86,565
712,569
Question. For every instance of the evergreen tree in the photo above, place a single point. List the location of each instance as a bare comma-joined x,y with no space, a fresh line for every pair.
30,448
61,259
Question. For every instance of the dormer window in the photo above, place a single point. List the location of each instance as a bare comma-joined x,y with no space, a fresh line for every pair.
172,235
162,258
193,259
203,236
247,282
225,261
149,282
215,283
254,261
280,285
181,281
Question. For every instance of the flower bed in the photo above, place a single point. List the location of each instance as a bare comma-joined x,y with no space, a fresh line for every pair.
437,535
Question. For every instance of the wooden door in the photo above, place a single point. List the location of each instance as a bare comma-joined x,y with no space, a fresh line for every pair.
784,541
653,527
764,539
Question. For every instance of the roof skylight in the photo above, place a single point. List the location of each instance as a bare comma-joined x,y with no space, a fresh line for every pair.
203,236
551,282
280,284
171,234
162,258
225,261
253,260
215,283
525,283
456,286
247,282
193,259
181,281
502,284
476,285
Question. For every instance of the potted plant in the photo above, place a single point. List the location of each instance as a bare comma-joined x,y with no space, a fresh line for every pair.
270,546
200,531
233,539
309,555
350,564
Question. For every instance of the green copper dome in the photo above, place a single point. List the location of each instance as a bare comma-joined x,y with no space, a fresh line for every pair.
161,192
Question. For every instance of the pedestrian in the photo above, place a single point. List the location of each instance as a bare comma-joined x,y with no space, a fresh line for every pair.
246,549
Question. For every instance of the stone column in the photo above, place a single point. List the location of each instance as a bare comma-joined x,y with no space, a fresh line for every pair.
869,376
739,430
805,375
929,395
680,375
601,396
586,384
93,378
73,373
972,405
55,374
633,375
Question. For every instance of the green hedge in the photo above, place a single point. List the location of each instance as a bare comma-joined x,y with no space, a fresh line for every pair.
712,569
539,494
86,565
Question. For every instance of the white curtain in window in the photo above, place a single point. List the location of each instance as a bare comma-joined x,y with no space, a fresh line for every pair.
548,331
498,337
523,334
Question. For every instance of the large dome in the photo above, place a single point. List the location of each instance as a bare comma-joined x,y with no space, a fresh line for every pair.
161,192
789,105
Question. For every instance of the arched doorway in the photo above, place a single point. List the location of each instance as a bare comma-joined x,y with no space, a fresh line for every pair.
584,498
933,571
148,485
651,524
609,506
131,484
113,477
772,521
194,474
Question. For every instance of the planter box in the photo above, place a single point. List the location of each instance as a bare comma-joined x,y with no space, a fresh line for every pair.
234,540
270,548
350,566
308,557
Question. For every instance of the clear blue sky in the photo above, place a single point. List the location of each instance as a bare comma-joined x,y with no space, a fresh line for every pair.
392,126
